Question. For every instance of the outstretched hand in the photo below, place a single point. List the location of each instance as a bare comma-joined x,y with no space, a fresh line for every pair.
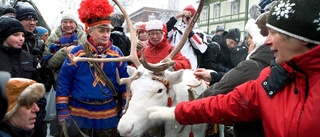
161,113
203,74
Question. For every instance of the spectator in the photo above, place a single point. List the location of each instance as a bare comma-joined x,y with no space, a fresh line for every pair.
219,30
9,11
258,58
43,33
195,46
88,94
285,95
158,43
28,17
20,118
142,35
119,38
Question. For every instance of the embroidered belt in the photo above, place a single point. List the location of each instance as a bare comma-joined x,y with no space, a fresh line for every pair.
95,102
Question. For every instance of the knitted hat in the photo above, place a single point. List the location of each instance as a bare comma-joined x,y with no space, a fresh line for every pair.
95,13
156,25
296,18
22,92
9,25
261,21
8,10
117,19
191,9
219,28
25,10
140,26
41,30
234,34
69,14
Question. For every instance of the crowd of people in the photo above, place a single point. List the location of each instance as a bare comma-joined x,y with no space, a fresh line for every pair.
263,84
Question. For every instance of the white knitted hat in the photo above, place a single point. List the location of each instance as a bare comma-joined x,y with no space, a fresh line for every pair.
69,14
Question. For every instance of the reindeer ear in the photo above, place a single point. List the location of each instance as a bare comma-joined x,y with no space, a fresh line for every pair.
175,77
131,70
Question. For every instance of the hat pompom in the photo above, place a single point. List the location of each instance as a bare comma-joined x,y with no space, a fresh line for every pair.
92,11
21,91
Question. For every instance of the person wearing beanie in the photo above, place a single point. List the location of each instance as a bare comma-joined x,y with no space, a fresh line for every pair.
196,43
20,118
219,30
233,37
9,11
93,105
285,95
158,43
42,33
119,38
68,34
14,59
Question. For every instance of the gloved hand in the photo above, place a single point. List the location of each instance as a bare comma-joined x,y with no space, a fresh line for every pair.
191,34
64,115
161,113
54,48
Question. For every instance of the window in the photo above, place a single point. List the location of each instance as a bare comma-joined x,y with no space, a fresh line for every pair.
216,10
235,7
204,13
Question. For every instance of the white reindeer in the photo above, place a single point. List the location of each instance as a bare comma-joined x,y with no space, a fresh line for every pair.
149,90
153,86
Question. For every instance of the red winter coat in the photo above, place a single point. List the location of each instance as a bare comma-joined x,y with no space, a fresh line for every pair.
292,111
155,53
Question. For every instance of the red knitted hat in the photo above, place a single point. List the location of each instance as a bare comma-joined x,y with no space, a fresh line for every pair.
191,9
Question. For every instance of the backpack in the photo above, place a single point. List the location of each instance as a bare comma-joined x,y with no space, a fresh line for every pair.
122,41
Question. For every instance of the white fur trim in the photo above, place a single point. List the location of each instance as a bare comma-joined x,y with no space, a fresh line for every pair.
154,25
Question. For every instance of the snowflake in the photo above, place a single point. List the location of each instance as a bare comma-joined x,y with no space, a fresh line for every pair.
318,22
283,9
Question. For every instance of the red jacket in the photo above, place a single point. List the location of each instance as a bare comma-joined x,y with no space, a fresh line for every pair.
293,111
155,53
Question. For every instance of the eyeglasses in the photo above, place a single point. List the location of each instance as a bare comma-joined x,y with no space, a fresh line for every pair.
248,43
31,20
157,33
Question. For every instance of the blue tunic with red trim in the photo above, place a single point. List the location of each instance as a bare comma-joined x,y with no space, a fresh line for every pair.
79,84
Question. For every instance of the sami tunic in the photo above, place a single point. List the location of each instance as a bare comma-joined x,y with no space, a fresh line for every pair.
82,93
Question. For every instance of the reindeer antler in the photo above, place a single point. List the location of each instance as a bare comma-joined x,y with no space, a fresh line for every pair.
167,62
133,57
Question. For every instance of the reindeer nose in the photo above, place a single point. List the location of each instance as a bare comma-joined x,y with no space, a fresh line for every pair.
125,129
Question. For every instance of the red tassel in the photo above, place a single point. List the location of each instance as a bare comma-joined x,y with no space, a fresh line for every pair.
191,134
169,102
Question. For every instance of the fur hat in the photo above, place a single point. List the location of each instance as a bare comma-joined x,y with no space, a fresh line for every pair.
22,92
156,25
296,18
9,25
8,10
261,21
95,13
234,34
69,14
191,9
25,10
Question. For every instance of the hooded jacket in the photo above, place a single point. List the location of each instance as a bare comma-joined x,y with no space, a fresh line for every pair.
289,107
155,53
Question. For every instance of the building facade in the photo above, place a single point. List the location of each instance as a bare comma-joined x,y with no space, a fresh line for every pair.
226,13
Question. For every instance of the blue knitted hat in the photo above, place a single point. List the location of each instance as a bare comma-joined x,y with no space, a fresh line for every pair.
41,30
